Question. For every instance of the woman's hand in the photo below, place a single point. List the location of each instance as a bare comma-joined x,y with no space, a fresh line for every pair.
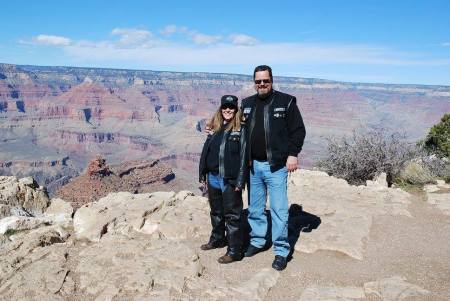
208,130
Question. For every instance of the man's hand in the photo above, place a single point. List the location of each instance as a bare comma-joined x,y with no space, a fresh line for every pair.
292,163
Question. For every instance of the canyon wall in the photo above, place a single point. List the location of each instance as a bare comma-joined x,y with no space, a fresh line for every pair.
53,120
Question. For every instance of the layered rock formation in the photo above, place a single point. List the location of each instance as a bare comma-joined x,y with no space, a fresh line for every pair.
67,115
101,179
146,247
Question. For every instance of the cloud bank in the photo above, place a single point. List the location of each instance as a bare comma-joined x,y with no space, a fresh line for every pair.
176,45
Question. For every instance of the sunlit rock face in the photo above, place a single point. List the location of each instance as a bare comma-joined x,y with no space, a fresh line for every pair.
146,246
53,120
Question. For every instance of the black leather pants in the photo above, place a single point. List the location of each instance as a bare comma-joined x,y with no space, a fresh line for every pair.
226,210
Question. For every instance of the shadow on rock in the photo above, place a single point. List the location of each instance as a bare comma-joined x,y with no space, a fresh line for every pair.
299,221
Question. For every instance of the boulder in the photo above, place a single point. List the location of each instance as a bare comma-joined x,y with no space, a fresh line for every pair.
379,182
34,265
24,193
59,212
160,213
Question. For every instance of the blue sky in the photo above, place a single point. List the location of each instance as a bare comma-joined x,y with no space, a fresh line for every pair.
360,41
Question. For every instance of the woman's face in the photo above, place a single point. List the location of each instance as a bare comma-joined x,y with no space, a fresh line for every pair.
228,113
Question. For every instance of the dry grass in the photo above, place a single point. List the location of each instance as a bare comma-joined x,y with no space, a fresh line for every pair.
415,173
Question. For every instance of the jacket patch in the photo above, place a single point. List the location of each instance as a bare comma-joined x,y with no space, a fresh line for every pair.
247,110
234,136
279,109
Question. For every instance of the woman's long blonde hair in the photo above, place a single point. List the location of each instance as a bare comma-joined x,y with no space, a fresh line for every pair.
216,121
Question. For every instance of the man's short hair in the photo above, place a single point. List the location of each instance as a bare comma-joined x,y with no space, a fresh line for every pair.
263,68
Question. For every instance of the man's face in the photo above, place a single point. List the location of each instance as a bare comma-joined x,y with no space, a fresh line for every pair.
263,84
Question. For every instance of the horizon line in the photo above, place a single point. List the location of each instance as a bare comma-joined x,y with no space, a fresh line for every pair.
225,73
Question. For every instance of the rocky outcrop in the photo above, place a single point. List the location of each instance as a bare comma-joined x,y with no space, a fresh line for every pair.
22,196
133,234
101,179
346,211
146,247
155,214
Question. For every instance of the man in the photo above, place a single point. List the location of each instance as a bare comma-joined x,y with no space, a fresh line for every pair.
275,132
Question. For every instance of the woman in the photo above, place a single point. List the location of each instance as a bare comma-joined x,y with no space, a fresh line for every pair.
222,167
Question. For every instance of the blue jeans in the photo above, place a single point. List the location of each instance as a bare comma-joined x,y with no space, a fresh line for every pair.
217,181
262,180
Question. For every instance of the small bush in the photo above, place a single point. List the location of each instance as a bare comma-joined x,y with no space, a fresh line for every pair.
416,173
11,232
435,164
366,154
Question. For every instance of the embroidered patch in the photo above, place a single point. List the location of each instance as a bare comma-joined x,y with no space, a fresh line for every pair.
279,110
247,110
235,133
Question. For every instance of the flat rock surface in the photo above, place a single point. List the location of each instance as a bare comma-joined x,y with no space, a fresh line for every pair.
439,196
346,211
372,243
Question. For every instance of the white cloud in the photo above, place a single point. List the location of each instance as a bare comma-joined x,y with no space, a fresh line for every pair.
43,39
203,39
243,39
275,53
132,36
169,30
194,49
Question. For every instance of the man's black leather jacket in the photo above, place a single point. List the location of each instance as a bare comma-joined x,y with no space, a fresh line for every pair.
283,127
232,163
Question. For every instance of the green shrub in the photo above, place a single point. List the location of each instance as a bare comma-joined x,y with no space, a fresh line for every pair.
446,176
438,139
10,232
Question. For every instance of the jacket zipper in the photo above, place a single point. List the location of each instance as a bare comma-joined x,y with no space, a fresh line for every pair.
252,125
222,154
267,130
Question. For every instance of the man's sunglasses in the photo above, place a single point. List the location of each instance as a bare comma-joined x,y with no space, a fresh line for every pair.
259,81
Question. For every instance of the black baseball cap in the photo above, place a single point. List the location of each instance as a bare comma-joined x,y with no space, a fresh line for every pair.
229,100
